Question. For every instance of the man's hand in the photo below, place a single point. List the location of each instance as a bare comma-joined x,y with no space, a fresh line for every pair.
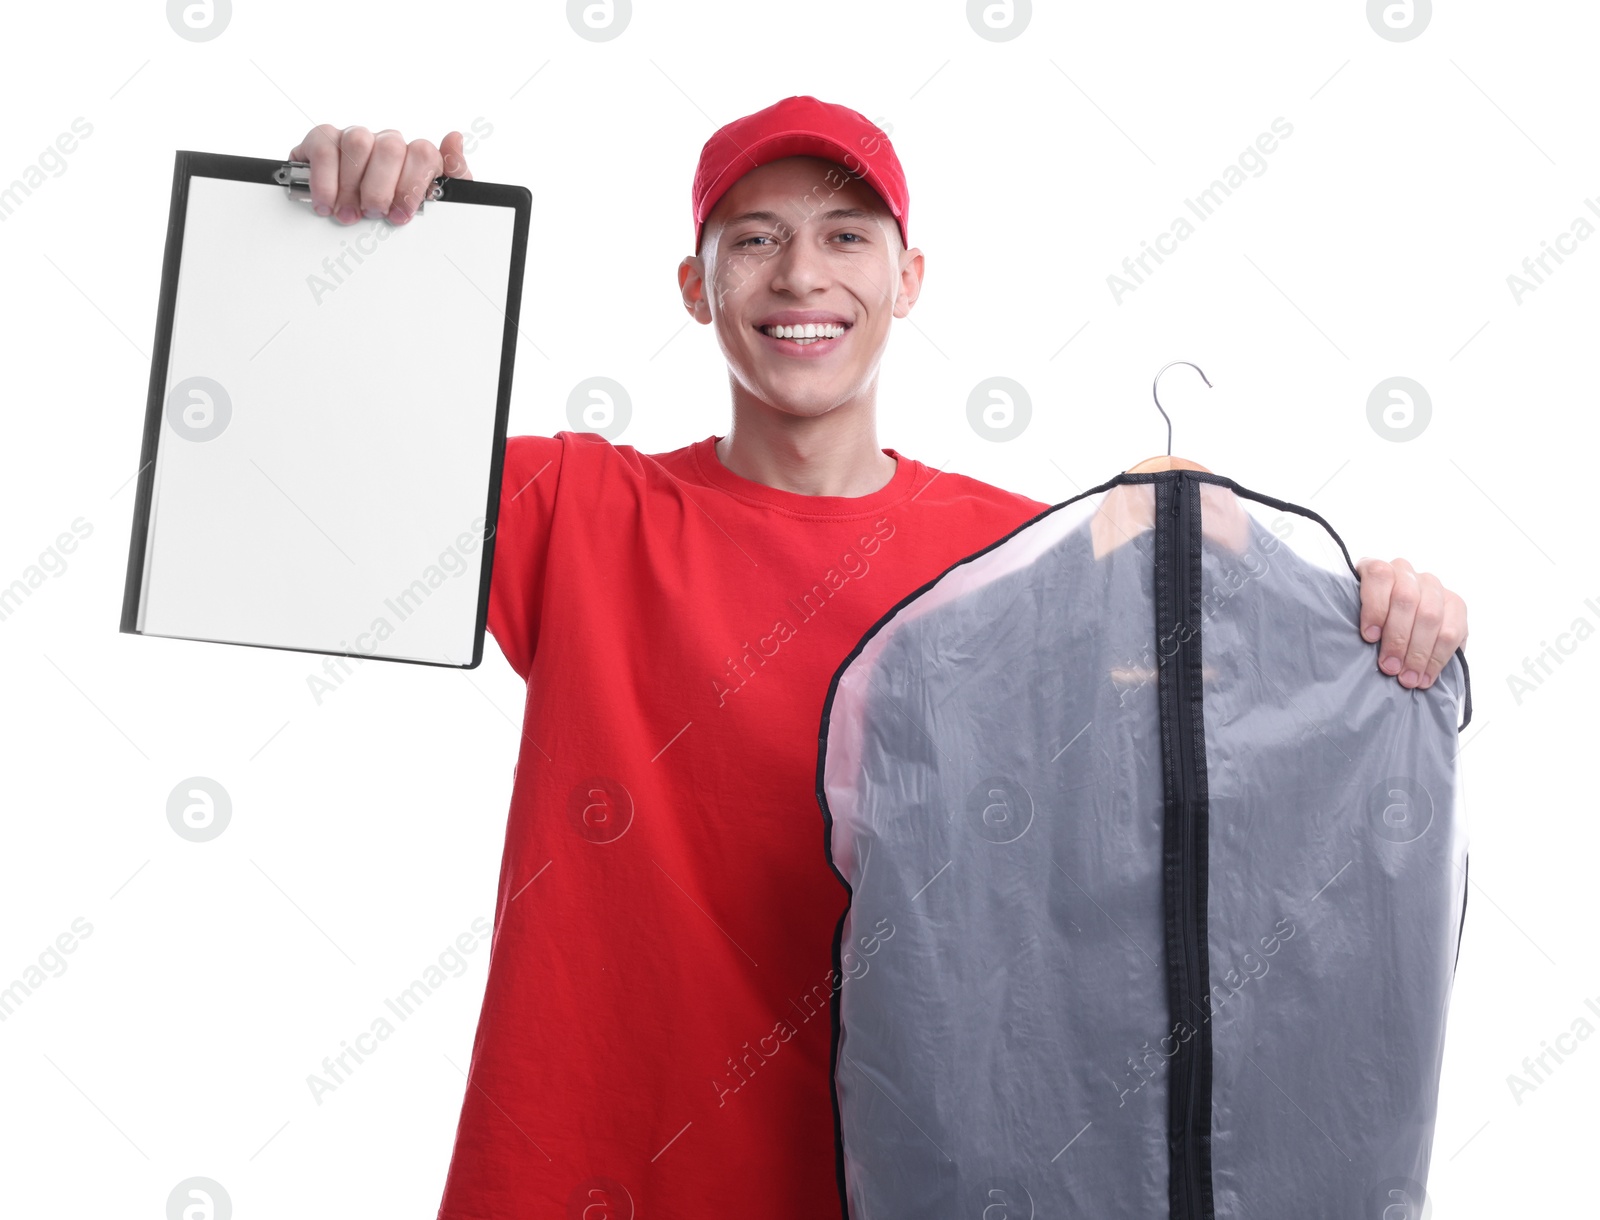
357,173
1420,622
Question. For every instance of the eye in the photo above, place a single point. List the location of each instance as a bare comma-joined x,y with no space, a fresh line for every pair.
757,237
857,236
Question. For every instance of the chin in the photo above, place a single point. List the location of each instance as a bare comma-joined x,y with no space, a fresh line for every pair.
802,404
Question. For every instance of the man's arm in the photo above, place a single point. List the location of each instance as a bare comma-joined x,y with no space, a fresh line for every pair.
1420,622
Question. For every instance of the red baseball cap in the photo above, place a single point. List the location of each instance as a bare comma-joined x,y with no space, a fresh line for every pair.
799,126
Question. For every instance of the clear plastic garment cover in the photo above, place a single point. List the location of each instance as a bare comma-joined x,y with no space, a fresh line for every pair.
1156,882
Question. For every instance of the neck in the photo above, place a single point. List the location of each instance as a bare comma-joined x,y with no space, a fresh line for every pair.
834,454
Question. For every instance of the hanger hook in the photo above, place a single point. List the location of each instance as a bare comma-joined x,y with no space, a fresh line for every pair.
1157,382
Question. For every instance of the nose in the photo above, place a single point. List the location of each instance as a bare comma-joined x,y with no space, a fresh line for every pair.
800,265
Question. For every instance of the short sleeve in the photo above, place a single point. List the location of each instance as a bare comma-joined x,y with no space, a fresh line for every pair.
528,484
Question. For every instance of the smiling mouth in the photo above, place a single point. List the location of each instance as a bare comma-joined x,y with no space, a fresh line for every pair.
808,335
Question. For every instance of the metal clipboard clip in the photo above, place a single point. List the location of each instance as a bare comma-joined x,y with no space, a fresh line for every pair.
295,178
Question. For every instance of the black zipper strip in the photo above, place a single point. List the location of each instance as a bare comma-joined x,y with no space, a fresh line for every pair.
1184,842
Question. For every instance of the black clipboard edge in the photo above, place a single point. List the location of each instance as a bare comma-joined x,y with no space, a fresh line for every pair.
520,200
188,164
166,306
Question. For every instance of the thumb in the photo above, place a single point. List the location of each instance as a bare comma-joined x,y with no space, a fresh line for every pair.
455,159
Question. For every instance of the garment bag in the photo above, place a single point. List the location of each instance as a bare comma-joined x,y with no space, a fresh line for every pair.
1156,882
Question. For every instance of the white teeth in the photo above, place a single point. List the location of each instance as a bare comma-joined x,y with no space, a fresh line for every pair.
811,330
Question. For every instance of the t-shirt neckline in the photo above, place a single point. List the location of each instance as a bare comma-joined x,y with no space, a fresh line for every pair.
715,473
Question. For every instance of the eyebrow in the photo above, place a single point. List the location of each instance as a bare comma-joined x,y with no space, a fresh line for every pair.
774,218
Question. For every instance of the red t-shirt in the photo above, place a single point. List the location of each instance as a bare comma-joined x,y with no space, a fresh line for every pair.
654,1038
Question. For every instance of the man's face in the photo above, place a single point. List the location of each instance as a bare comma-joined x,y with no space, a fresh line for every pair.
801,241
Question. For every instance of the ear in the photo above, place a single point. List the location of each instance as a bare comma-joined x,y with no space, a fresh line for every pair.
910,288
692,284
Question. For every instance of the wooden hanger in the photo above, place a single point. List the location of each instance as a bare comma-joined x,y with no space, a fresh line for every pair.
1128,508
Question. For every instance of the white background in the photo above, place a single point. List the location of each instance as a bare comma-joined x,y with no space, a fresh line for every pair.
366,828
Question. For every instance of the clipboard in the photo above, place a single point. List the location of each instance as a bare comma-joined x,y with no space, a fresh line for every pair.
326,418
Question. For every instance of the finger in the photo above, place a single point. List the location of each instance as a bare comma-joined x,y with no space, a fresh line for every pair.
453,153
422,165
1452,634
355,150
378,184
320,150
1403,599
1377,580
1424,630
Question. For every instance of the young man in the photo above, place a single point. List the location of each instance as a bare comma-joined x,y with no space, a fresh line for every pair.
654,1038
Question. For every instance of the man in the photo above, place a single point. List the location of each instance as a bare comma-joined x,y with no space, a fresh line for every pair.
654,1038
